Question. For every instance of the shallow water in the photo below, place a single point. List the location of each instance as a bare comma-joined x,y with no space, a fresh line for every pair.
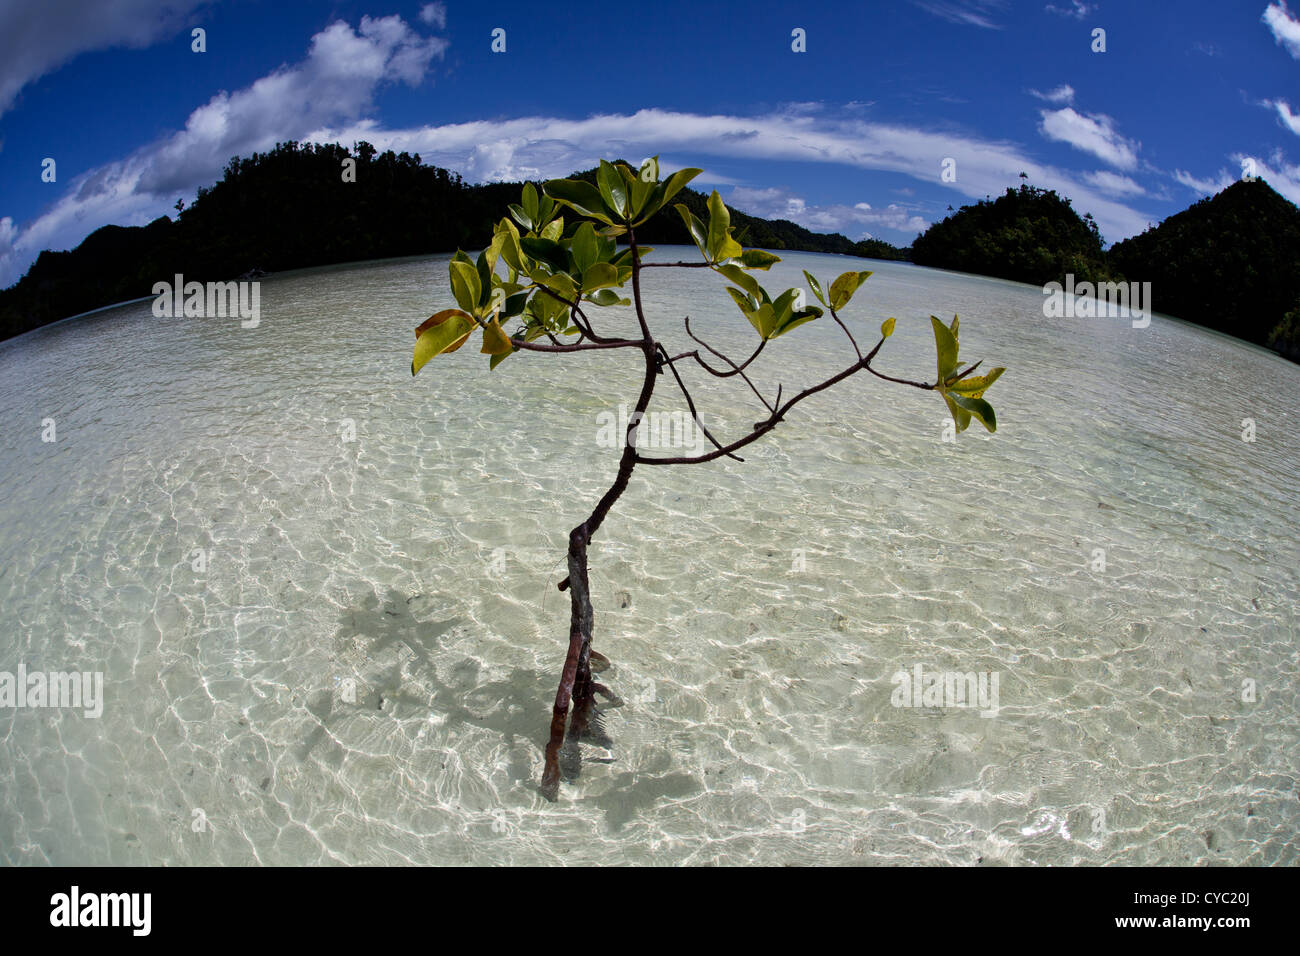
754,613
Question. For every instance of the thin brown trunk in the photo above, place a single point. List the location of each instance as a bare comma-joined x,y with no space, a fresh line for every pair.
576,685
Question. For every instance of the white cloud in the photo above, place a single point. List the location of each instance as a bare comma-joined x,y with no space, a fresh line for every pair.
1062,94
853,221
38,38
1076,10
976,13
1206,187
1289,119
434,14
335,83
1092,133
1114,184
1286,28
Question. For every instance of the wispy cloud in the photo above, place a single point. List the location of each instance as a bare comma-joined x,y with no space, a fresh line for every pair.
1062,94
1285,27
1289,119
1093,133
434,14
1206,186
1075,9
1113,184
38,38
978,13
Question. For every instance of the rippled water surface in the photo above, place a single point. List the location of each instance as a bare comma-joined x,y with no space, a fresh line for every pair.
401,538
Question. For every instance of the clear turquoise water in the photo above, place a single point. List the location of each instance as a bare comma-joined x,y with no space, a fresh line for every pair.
419,560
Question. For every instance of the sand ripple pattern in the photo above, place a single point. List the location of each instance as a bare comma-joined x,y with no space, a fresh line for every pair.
361,672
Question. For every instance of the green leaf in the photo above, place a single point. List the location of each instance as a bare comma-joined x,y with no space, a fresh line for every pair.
608,297
695,228
662,192
563,285
758,259
612,188
960,416
582,197
742,279
719,222
500,357
842,289
815,286
465,286
783,305
746,303
887,328
676,182
638,190
554,229
511,251
763,319
521,216
598,276
529,202
485,264
584,247
515,304
442,332
976,407
546,251
797,319
946,345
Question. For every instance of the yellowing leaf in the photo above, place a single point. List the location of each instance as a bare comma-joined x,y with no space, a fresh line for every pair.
442,332
975,385
495,341
946,346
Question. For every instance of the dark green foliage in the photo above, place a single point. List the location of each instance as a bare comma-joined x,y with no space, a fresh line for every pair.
879,249
1027,235
290,208
1231,262
1285,337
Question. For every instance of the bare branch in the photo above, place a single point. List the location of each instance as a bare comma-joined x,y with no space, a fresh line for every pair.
847,332
581,347
690,403
735,369
762,428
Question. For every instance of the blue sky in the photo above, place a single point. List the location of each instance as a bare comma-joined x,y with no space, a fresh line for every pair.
849,136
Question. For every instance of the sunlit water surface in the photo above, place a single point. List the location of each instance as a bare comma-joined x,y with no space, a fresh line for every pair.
754,613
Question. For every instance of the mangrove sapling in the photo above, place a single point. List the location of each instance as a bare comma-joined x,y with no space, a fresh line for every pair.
555,271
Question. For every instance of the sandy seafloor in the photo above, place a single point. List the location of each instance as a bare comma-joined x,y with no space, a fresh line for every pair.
754,612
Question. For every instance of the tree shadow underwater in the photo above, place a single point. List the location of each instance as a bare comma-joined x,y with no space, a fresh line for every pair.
455,693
